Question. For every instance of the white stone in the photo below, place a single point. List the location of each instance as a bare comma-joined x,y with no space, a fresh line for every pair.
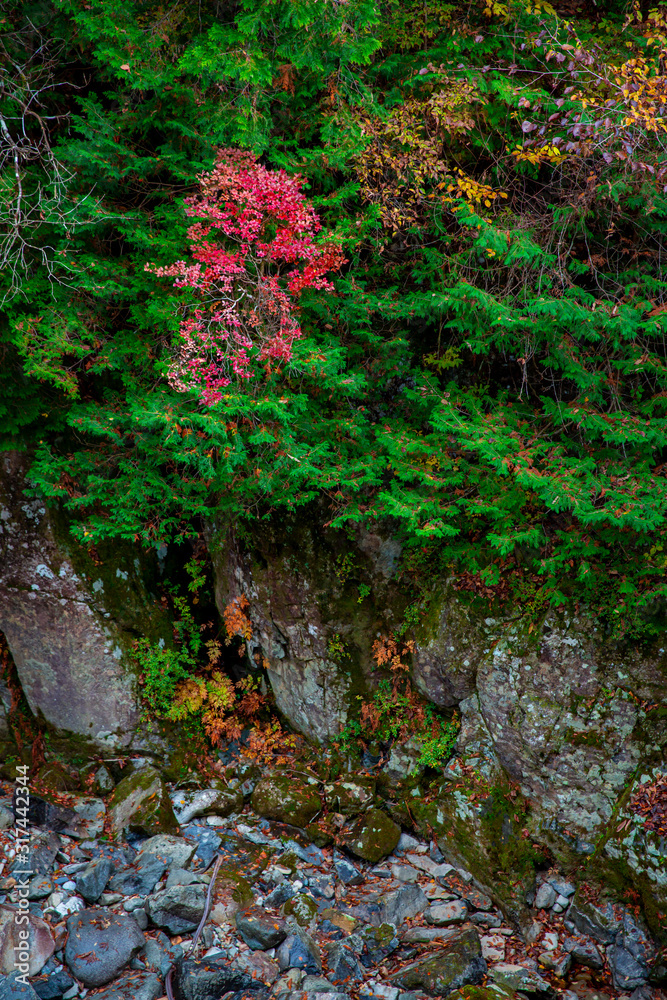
493,947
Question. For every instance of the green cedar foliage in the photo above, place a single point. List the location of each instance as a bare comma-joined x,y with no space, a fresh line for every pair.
489,378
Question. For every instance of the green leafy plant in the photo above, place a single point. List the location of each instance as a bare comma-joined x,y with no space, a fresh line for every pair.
395,714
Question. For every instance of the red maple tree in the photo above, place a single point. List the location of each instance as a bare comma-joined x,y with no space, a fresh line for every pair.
253,251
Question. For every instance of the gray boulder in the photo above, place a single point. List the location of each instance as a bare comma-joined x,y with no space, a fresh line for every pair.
343,961
100,944
584,951
176,852
140,879
159,953
91,882
34,953
374,836
177,910
209,979
259,930
400,905
140,803
11,989
188,805
517,979
133,986
299,951
378,944
348,873
459,964
68,621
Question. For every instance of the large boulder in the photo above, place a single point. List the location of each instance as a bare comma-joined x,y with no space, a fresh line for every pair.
101,944
373,836
32,952
458,964
141,803
70,618
179,909
281,797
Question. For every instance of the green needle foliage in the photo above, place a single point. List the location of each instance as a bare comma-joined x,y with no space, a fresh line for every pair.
489,379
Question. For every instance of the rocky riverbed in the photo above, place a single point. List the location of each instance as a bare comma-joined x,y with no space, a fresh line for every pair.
120,880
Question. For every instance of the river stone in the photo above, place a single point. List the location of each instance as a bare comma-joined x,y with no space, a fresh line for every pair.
177,910
12,989
302,908
584,952
140,803
279,896
545,897
100,944
40,887
598,922
378,943
346,871
176,852
189,805
133,986
160,954
627,971
299,951
139,880
343,961
426,935
402,904
258,966
40,944
374,836
87,818
459,964
91,882
209,979
517,979
53,986
442,914
259,930
40,856
280,797
103,781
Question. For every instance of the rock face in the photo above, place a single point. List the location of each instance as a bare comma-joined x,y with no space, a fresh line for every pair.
288,633
67,620
548,708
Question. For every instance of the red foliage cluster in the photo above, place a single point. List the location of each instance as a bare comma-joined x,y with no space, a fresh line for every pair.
253,252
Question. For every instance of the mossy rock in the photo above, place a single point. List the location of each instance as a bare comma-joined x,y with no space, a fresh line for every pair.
374,836
141,804
439,975
242,892
281,798
322,833
350,797
302,908
483,834
482,993
53,777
